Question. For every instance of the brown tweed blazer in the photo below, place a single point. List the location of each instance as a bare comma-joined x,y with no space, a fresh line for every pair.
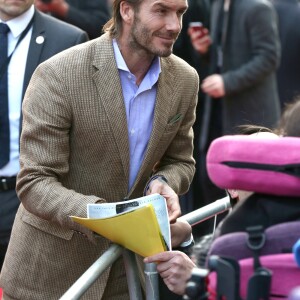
74,151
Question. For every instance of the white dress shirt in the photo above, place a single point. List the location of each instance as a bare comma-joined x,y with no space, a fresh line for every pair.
16,71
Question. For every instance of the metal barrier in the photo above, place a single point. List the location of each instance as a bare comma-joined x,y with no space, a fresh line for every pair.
115,251
92,273
208,211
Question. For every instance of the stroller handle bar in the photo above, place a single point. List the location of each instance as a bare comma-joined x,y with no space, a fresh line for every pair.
208,211
115,251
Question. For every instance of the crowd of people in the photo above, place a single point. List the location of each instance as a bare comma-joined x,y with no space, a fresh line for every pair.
95,107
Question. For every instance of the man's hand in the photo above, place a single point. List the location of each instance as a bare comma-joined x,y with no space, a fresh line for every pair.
201,42
161,187
174,267
213,85
181,231
58,7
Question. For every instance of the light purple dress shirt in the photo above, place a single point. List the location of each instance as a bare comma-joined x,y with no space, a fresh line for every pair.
139,104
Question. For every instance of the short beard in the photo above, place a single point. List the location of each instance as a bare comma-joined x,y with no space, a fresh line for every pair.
141,40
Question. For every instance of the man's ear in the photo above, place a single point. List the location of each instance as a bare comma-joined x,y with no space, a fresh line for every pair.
126,11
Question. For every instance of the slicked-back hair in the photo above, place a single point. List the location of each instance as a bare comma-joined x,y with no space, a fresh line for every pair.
114,25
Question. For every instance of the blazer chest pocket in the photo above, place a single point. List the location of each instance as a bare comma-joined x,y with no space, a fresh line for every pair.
175,119
173,124
170,132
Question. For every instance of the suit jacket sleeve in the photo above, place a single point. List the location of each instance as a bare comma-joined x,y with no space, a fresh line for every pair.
261,29
45,151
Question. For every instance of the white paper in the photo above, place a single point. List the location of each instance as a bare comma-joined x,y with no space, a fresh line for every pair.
106,210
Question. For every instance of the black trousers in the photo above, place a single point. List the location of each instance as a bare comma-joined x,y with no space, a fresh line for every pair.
9,203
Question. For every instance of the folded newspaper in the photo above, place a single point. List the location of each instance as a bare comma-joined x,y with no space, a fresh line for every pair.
141,225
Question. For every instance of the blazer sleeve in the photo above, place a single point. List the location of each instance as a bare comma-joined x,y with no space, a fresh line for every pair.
45,151
261,29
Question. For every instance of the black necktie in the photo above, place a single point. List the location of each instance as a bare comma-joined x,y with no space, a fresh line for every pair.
4,120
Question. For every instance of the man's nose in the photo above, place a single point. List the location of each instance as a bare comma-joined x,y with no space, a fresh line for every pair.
174,23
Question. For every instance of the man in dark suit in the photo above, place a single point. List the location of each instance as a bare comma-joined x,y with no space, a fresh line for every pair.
289,70
244,55
244,51
45,37
89,15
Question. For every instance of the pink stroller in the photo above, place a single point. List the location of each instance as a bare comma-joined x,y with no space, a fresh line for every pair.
252,258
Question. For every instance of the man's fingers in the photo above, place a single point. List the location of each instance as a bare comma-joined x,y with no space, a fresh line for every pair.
173,215
160,257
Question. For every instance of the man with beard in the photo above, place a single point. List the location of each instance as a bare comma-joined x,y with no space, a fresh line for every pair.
243,56
103,121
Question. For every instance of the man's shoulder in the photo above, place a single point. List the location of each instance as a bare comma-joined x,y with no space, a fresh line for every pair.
96,51
179,70
55,25
178,63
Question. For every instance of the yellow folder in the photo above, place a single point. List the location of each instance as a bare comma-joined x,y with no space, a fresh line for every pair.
137,230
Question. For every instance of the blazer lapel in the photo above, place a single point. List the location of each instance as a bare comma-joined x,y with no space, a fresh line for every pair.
34,53
35,48
110,92
163,106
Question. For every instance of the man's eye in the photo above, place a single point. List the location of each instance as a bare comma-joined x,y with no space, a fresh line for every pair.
161,11
180,13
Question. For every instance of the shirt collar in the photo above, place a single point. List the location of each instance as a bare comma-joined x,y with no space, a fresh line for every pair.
17,25
154,70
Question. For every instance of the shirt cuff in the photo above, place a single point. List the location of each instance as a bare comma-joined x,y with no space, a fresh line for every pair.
153,178
187,243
